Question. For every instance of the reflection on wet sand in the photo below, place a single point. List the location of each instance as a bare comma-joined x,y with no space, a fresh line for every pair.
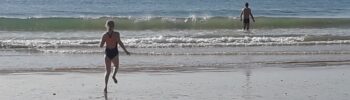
247,93
248,88
106,97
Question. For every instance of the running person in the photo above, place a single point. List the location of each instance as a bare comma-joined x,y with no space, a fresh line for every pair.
111,38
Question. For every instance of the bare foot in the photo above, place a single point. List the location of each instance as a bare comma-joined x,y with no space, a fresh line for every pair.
115,80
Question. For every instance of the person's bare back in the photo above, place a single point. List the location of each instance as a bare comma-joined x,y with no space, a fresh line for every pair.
246,13
111,39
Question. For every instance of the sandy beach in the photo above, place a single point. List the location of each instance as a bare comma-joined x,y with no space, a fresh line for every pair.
265,83
180,49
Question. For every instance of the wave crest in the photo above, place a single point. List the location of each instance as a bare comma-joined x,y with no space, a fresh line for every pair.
164,23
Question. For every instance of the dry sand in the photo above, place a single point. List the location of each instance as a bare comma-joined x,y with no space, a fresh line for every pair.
269,83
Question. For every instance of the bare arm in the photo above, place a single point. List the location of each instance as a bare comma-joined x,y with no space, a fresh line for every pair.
103,41
251,14
122,45
240,16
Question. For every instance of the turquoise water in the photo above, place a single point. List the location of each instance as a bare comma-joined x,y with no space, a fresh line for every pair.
164,23
173,8
61,15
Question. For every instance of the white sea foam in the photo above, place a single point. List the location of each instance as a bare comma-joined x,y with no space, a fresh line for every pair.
163,41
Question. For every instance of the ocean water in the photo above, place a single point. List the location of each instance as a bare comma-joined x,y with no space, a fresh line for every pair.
173,35
171,8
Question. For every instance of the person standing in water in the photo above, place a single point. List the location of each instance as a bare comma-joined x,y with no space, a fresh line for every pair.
111,38
247,13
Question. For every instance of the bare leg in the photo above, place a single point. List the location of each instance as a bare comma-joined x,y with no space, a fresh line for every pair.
116,64
108,72
244,26
106,96
248,25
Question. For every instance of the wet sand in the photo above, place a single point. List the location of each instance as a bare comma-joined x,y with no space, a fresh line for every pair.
260,83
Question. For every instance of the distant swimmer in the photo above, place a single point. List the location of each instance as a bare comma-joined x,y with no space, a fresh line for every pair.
247,13
111,38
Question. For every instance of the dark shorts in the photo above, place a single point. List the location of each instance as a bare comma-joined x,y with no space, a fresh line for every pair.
246,21
111,53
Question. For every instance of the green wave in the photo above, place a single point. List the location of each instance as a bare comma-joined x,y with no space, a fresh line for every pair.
163,23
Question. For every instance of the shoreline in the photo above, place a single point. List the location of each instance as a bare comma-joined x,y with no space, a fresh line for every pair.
249,83
189,64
